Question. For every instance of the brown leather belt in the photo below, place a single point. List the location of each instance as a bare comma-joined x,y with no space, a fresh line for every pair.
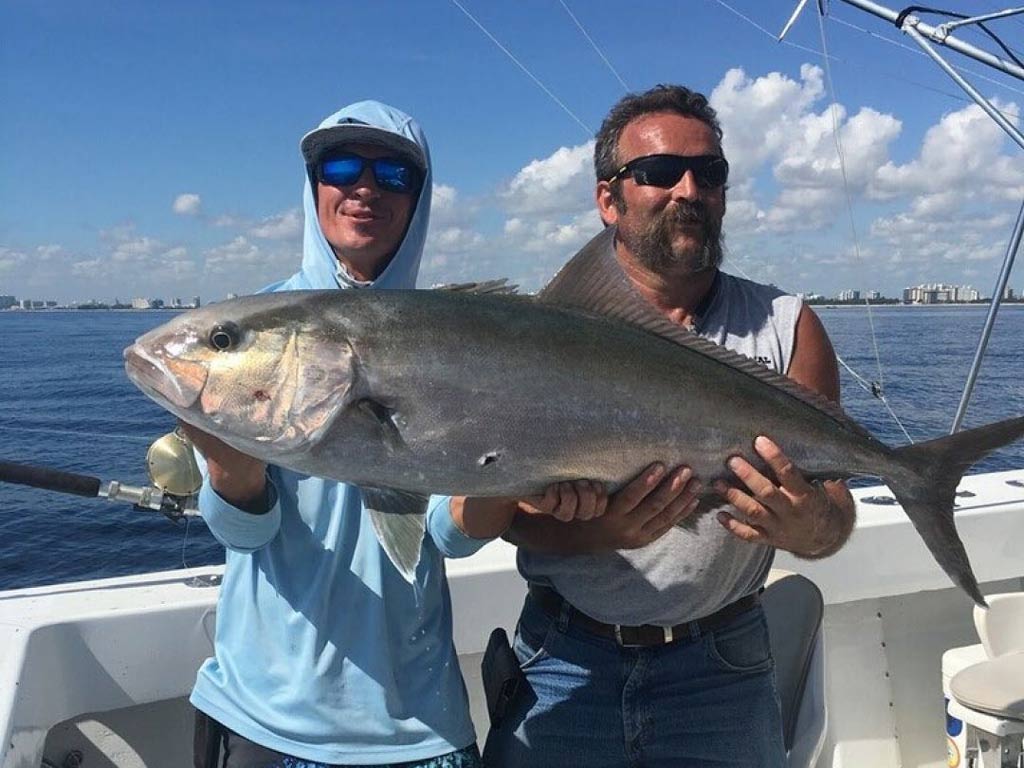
645,635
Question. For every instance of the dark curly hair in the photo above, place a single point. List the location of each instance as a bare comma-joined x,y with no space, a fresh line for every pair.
675,99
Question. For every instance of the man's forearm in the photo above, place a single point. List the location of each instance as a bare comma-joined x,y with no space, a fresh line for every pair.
482,517
837,522
246,490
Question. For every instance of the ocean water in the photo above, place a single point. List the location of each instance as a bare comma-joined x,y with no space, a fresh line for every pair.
66,403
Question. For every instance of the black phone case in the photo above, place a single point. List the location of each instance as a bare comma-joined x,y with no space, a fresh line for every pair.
501,676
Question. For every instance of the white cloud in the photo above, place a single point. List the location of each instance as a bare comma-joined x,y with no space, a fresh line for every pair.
453,239
960,155
11,260
50,252
760,116
229,221
447,208
236,254
283,226
242,266
562,183
187,204
771,122
940,214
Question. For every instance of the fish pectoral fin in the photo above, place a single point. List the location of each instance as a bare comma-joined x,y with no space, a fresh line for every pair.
392,501
399,519
383,418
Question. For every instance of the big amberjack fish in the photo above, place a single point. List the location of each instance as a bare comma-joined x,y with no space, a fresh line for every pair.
472,392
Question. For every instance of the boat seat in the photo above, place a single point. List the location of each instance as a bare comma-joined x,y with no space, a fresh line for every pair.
989,696
794,607
1001,625
995,687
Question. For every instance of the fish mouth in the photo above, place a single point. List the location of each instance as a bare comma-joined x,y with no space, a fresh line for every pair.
176,381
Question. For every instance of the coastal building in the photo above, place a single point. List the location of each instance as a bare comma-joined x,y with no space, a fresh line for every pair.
6,302
849,295
940,293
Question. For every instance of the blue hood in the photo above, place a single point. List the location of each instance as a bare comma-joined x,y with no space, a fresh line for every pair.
320,267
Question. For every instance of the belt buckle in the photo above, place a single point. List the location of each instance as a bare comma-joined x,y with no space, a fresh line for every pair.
666,633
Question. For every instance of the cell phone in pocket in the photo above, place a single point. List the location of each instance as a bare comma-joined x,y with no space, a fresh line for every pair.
502,676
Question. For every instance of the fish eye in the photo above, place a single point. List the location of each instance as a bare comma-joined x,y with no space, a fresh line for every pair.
224,337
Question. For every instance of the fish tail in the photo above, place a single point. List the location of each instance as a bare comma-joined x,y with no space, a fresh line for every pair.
926,489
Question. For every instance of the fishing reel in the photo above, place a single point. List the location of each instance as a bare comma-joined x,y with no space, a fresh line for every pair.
174,478
171,463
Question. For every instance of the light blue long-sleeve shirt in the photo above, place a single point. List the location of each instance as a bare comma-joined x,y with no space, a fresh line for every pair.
323,650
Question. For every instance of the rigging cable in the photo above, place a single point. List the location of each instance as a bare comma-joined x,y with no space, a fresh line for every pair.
871,388
919,52
754,24
879,390
522,66
892,75
184,541
594,45
70,433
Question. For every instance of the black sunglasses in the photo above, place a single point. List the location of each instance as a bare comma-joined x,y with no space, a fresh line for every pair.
392,174
710,171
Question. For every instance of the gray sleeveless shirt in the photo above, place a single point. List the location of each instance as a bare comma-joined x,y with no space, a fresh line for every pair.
689,572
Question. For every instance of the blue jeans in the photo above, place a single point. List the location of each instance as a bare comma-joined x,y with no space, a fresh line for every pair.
704,700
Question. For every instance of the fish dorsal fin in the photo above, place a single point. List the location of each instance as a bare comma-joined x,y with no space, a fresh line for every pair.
594,282
499,286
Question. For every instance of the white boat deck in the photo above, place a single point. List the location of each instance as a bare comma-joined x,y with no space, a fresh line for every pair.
103,666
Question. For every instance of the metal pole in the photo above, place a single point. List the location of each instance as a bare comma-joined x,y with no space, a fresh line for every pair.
1015,238
935,34
951,25
997,297
982,102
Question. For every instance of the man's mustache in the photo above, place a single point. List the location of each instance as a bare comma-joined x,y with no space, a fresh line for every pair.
688,212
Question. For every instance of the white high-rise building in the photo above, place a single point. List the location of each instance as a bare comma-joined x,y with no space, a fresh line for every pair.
940,293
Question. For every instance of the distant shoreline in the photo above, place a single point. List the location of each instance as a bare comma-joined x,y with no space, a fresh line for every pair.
941,305
815,304
17,310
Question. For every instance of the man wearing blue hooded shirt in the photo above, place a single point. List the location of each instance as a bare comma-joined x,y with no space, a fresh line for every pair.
324,653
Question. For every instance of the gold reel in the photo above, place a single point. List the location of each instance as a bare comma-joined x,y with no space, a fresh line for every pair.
172,465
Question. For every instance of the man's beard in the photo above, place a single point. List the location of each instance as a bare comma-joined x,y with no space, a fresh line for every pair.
651,244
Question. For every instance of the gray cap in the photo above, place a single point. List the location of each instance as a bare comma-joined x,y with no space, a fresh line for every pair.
318,141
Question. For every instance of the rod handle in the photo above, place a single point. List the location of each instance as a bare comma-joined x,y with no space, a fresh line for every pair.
50,479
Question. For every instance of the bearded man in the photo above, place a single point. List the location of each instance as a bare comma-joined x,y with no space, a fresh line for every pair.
642,641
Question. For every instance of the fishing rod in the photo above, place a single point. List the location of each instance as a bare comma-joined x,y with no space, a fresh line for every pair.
174,477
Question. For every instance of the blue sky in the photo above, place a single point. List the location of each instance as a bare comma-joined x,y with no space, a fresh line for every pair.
151,149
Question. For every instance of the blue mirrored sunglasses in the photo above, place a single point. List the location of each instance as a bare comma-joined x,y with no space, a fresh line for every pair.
391,174
709,171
